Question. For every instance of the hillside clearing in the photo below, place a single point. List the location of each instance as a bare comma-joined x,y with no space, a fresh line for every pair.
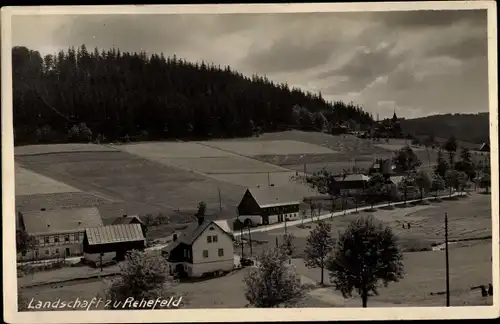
31,183
269,147
60,148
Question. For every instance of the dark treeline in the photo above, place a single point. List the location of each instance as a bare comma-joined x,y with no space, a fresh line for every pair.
82,95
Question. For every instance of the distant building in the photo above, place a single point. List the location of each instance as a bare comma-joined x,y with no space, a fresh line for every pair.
131,219
268,205
352,184
112,242
383,166
57,233
203,247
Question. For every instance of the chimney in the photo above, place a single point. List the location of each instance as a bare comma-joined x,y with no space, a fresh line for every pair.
124,215
48,225
174,237
79,223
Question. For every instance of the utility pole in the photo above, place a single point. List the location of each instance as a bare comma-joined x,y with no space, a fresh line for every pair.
268,180
447,260
220,201
242,248
250,241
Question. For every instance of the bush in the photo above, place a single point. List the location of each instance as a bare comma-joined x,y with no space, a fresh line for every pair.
80,133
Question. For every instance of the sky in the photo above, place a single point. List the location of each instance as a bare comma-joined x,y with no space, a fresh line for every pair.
416,63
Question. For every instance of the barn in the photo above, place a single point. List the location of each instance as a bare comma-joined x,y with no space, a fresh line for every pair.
112,242
268,205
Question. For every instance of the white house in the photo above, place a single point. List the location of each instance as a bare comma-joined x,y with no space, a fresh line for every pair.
202,248
57,233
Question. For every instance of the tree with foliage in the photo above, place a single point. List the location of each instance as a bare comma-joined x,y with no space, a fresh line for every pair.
455,180
465,164
144,275
408,181
202,208
273,283
429,142
374,189
288,246
319,245
437,184
441,165
406,160
366,254
24,241
450,146
171,99
423,182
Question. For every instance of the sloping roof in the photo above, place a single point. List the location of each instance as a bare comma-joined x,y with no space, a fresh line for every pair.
353,177
396,179
126,220
273,196
224,225
191,233
114,234
65,220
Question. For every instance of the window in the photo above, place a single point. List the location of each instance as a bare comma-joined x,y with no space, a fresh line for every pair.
46,240
57,251
56,239
66,238
209,239
76,237
205,253
221,252
214,238
24,253
47,252
40,240
185,253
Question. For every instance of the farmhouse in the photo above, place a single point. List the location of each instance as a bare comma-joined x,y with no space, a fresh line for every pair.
57,233
384,166
202,248
268,205
112,242
352,184
132,219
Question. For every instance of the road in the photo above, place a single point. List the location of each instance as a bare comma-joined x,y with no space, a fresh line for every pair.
269,227
329,215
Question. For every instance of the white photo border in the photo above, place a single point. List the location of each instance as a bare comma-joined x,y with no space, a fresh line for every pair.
231,315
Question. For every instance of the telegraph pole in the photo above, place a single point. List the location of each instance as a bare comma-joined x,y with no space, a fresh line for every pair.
447,260
220,200
268,180
242,248
250,241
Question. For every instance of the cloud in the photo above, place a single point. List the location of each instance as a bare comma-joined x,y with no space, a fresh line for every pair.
417,62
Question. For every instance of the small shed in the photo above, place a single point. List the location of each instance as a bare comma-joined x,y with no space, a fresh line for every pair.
112,241
131,219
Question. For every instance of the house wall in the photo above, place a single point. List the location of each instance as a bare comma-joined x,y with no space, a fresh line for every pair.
53,246
203,263
277,214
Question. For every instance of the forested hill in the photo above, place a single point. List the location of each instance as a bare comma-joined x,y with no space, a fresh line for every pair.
117,94
472,128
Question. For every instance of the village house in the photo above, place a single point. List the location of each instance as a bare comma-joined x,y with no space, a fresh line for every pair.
268,205
56,233
112,242
131,219
352,184
202,248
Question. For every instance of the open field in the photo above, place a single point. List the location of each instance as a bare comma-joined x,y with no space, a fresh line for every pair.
60,148
468,218
127,178
269,147
425,275
31,183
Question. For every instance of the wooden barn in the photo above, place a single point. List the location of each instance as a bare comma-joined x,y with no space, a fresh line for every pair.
112,242
131,219
268,205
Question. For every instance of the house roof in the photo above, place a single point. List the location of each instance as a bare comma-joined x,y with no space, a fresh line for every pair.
65,220
114,234
484,147
127,220
396,179
274,196
191,233
353,177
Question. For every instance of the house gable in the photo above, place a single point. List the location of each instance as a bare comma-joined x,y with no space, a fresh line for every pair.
223,242
248,205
